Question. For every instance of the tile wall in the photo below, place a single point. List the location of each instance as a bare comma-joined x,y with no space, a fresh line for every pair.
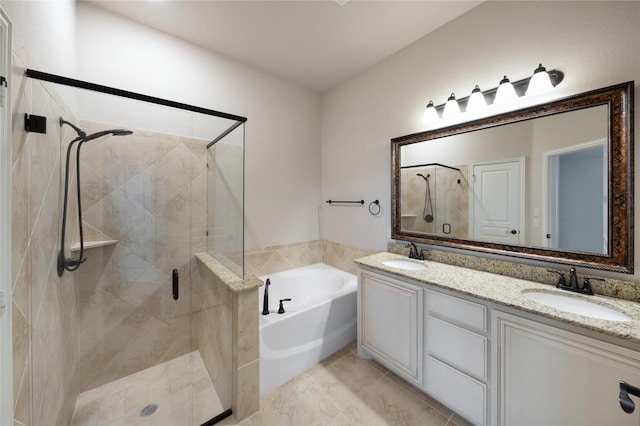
45,307
269,260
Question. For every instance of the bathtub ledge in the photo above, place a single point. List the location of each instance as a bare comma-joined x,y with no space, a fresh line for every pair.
231,280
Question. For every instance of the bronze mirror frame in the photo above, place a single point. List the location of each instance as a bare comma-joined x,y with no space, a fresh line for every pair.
619,99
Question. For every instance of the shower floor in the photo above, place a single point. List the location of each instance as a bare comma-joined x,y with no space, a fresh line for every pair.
172,385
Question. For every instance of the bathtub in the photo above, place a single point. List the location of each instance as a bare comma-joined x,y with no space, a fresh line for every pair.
319,320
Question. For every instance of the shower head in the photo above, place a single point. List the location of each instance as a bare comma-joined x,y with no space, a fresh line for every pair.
82,135
114,132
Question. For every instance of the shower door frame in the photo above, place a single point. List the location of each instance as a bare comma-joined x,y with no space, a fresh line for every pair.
6,343
66,81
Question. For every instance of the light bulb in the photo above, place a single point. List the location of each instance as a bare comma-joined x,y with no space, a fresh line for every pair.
506,93
540,82
476,101
430,113
451,108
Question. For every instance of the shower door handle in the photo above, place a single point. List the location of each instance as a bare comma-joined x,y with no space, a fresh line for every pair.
176,284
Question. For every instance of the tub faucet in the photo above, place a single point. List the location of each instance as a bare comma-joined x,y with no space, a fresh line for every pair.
265,298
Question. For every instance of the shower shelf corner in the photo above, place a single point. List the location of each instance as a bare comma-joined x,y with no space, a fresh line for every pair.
93,244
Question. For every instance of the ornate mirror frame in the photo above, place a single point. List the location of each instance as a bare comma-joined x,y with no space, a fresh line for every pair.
619,99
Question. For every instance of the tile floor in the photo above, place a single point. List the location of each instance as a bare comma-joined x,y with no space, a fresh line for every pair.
170,385
342,390
347,390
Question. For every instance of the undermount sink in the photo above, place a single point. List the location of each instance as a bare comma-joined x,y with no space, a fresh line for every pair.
408,265
575,305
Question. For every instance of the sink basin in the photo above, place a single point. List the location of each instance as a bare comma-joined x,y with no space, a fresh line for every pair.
408,265
575,305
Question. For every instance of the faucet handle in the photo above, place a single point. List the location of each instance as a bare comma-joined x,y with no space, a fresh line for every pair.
586,285
561,280
281,307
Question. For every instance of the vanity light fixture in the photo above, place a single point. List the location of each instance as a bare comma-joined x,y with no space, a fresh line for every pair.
451,108
476,101
430,114
542,81
506,93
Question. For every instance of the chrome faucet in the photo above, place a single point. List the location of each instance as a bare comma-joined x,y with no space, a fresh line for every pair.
265,298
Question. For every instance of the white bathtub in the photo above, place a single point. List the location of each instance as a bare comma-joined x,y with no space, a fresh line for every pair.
319,320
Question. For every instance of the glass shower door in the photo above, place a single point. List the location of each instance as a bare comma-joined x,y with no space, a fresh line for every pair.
134,327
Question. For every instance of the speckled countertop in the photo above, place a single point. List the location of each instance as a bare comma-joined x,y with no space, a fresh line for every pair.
231,280
507,291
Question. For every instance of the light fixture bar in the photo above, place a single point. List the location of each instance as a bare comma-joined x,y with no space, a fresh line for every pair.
520,86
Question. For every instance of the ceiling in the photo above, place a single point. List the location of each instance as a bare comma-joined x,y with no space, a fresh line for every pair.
316,44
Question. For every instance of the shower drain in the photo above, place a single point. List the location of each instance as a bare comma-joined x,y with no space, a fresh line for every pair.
149,410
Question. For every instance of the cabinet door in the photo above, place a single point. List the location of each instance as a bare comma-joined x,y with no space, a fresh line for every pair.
547,376
390,324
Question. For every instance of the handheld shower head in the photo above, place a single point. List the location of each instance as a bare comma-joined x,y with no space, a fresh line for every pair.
82,135
114,132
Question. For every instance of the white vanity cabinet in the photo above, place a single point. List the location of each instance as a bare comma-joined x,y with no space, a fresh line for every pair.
456,354
390,329
548,376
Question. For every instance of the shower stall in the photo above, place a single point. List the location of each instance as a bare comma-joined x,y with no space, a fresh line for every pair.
131,341
435,199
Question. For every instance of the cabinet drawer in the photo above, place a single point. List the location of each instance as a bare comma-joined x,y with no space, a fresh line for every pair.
458,310
458,347
456,390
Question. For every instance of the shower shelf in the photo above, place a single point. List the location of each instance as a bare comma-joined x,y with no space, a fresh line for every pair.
93,244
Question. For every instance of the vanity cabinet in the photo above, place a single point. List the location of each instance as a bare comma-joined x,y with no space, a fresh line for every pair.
548,376
390,322
456,354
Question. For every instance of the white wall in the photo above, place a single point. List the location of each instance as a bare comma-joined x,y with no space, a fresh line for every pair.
594,43
282,132
44,33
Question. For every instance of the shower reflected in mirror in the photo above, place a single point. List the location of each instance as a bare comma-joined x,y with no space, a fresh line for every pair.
73,263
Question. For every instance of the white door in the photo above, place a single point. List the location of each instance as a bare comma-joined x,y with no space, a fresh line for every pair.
6,351
497,205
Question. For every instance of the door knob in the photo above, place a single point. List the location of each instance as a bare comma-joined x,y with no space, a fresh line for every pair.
514,232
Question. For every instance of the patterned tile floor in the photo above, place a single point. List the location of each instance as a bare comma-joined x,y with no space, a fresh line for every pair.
347,390
169,385
342,390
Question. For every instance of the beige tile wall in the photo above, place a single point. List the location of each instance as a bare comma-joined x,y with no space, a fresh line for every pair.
269,260
211,330
45,327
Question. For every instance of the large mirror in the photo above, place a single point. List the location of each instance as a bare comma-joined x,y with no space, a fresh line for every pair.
553,182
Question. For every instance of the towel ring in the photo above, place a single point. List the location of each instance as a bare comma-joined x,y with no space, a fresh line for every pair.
375,208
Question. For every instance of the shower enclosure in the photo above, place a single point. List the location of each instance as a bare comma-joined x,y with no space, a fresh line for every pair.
150,202
435,199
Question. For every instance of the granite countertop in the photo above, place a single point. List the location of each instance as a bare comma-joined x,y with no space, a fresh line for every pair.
230,279
507,291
